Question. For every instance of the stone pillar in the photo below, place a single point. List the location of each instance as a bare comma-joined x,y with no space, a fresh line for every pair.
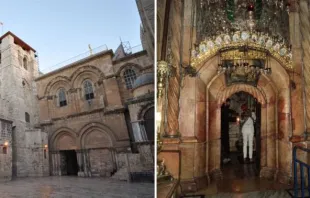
284,146
58,163
128,168
305,41
297,91
137,131
174,34
173,107
87,170
113,156
80,162
143,132
84,162
53,163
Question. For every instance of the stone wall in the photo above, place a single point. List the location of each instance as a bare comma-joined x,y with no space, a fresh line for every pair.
146,152
6,150
105,89
142,161
101,162
146,11
37,152
113,125
18,98
139,62
96,129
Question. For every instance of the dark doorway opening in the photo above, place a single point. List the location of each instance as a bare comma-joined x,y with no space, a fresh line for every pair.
133,146
233,164
149,123
69,164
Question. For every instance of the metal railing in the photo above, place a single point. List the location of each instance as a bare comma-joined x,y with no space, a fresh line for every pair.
75,58
96,50
137,48
300,188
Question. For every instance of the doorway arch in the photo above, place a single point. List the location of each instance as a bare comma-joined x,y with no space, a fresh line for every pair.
267,96
199,121
149,123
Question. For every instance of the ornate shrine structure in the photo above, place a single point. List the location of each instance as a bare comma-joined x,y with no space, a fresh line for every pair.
209,50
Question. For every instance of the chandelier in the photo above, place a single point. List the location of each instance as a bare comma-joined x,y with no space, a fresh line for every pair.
243,65
215,17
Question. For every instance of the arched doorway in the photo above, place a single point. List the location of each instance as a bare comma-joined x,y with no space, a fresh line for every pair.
199,121
97,154
149,123
234,163
64,156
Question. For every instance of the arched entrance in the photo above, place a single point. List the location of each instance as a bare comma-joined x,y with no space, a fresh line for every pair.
91,152
97,154
149,123
233,163
220,92
200,122
64,156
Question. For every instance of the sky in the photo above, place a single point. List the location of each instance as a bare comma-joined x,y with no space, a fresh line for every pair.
61,29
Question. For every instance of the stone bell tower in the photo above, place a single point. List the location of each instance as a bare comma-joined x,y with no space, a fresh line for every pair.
18,103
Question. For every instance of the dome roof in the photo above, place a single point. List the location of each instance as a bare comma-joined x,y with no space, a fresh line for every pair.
144,79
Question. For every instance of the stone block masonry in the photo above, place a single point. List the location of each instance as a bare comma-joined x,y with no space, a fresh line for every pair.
5,150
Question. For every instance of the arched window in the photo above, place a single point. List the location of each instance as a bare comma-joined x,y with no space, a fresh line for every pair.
62,97
88,90
130,77
27,117
25,63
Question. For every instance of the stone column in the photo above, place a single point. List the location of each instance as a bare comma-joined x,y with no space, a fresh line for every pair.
79,160
173,107
305,41
174,38
143,132
297,91
53,163
58,163
113,156
136,131
128,168
87,171
84,162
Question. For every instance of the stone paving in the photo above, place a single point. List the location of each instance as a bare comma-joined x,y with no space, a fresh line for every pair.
71,187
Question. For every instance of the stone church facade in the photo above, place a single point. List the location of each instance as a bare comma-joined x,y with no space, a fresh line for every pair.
93,117
196,78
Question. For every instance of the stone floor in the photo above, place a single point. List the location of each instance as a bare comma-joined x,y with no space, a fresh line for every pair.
71,187
242,180
264,194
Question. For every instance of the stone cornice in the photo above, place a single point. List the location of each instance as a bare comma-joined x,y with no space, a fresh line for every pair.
114,111
146,97
82,61
105,111
46,122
